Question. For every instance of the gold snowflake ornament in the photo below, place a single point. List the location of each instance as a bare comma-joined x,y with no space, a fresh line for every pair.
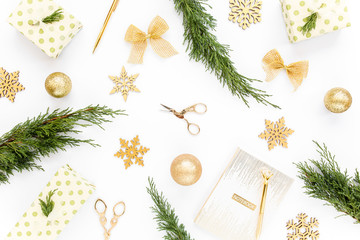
245,12
131,152
124,84
9,84
303,229
276,133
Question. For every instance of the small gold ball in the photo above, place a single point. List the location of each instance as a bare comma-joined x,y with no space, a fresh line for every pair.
58,84
338,100
186,169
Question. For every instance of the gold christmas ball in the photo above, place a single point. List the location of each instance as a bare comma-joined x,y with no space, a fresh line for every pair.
58,84
338,100
186,169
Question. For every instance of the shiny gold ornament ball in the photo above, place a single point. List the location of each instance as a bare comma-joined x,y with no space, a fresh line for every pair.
338,100
186,169
58,84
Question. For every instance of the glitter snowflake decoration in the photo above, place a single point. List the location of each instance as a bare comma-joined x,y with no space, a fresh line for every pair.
131,152
245,12
9,84
124,84
276,133
303,229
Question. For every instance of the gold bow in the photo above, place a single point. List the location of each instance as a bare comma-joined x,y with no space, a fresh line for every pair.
273,64
138,38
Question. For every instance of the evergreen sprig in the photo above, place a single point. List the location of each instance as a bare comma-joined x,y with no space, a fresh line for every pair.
310,23
165,216
45,134
325,180
54,17
204,47
48,205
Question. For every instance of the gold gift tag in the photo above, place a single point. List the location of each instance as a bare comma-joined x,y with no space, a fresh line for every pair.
244,202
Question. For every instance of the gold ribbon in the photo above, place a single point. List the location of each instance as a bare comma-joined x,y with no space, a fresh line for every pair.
138,38
273,64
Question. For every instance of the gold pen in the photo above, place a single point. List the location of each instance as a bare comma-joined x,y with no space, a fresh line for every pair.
112,9
266,176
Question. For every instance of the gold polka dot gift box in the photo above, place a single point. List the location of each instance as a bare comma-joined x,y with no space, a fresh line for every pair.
46,24
306,19
70,193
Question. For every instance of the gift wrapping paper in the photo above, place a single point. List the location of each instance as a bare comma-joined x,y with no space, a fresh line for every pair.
51,38
333,15
233,220
72,192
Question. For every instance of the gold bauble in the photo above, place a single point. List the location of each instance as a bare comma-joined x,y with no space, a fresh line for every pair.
186,169
338,100
58,84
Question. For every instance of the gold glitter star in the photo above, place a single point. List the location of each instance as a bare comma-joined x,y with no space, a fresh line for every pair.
245,12
276,133
303,229
9,84
124,84
131,152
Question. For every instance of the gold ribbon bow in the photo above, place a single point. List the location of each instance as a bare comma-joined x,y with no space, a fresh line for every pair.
273,64
138,38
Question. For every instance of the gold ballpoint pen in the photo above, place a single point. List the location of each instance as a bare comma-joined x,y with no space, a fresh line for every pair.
112,9
266,176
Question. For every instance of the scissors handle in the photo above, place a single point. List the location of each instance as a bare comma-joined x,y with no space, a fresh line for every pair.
96,208
193,128
114,220
123,207
103,219
194,108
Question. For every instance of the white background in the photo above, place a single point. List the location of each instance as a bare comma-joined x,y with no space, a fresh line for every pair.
177,82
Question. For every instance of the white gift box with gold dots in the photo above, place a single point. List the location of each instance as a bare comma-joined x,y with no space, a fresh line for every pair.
332,16
71,193
51,38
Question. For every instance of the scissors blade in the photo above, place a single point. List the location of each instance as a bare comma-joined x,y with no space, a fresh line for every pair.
168,108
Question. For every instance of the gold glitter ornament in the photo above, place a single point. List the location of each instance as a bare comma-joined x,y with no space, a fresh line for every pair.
186,169
58,84
338,100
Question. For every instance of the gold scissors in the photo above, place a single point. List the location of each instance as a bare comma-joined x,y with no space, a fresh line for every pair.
181,115
103,219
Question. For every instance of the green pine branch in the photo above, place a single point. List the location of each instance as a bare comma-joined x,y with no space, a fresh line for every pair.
165,216
48,205
54,17
310,23
324,180
27,142
204,47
